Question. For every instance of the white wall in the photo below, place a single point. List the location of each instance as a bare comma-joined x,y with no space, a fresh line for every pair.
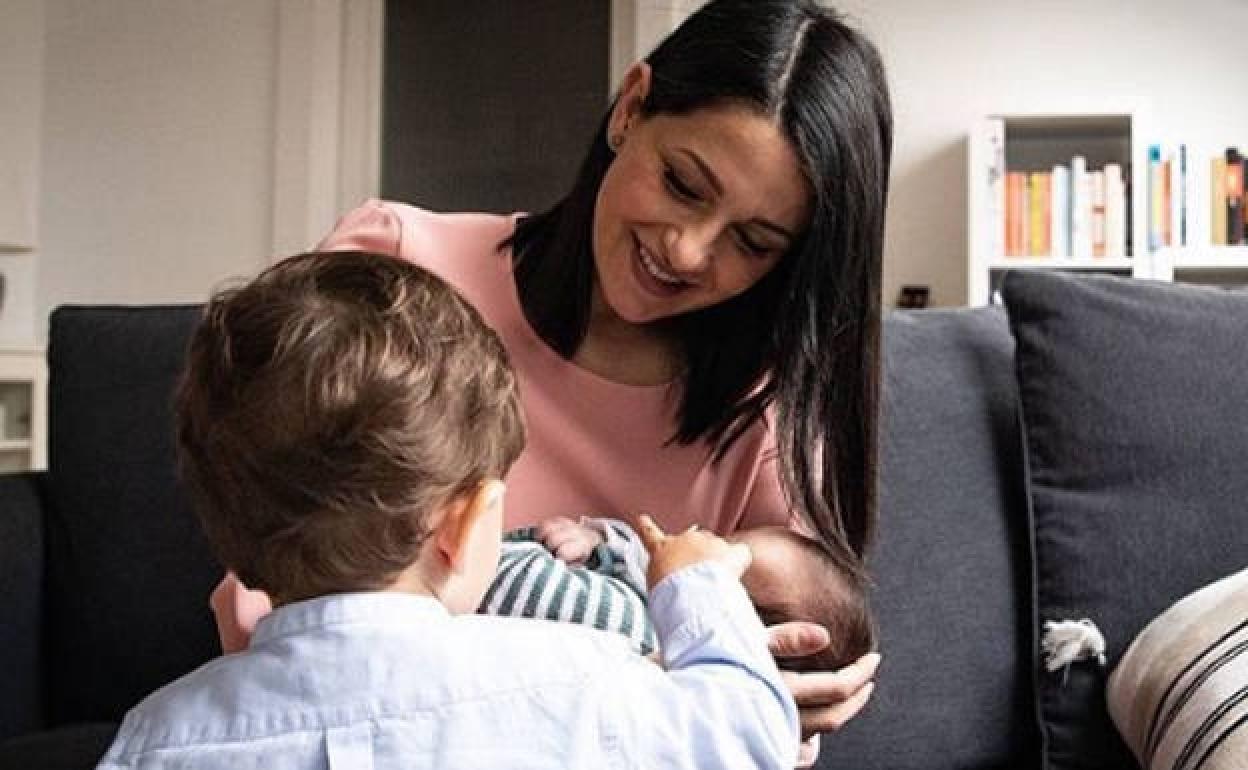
1181,64
157,148
21,110
161,118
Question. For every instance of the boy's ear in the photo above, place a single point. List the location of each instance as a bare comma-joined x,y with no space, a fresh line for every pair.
465,516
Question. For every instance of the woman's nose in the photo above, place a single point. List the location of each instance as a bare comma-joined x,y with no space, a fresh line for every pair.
689,247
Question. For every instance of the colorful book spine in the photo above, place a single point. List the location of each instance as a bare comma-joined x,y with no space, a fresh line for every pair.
1080,209
1218,201
1059,211
1115,211
1234,197
1097,183
1015,191
1038,214
1180,197
1155,198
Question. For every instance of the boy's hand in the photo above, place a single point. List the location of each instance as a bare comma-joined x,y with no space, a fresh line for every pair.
669,553
569,540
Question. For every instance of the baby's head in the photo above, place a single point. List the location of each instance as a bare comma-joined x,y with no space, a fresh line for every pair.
793,577
331,410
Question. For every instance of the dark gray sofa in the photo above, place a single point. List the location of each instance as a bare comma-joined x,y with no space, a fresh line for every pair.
105,576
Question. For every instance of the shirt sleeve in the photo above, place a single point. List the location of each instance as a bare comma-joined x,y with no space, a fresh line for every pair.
372,227
721,702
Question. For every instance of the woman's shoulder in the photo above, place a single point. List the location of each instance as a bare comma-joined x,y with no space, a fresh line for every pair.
418,234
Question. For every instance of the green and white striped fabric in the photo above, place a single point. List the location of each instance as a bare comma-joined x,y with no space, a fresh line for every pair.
608,592
1180,694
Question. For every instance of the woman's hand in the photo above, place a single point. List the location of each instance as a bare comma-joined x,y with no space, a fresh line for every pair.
236,609
826,700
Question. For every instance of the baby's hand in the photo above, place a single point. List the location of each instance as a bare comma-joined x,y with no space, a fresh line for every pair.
571,541
669,553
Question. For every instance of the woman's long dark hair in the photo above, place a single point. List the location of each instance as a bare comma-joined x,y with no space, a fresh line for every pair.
808,332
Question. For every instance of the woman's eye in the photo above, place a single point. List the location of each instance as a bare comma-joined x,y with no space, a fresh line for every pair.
678,186
752,247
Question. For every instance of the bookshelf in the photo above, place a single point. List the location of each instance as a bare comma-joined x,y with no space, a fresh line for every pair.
1030,144
23,410
1034,144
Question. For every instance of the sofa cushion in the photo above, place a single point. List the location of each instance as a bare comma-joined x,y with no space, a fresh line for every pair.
128,570
72,747
950,560
21,597
1134,407
1179,696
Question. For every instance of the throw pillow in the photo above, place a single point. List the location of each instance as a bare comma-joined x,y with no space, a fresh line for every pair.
1180,695
1134,405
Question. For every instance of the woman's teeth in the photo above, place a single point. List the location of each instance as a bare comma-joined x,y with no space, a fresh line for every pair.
657,272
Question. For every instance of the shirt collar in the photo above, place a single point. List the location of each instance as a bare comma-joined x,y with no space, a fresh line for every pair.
374,607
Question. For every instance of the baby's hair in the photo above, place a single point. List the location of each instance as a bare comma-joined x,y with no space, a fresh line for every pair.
327,408
825,591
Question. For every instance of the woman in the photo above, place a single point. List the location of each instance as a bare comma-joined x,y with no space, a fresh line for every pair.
695,325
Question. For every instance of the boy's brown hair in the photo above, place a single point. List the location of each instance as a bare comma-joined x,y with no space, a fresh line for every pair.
327,408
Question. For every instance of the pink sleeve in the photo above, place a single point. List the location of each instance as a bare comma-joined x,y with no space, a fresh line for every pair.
372,227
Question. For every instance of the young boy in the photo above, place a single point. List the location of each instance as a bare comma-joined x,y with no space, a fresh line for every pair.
592,572
343,424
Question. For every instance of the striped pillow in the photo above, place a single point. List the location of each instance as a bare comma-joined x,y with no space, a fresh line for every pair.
1180,694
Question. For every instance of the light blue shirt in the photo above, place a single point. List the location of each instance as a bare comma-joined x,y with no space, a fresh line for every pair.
387,680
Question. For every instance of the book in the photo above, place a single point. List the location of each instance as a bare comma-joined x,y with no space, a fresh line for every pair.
1234,197
1015,191
1038,226
1155,199
1179,189
1217,202
1080,209
1059,211
1115,211
1096,181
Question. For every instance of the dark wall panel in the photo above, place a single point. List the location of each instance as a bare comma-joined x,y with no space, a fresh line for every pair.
489,104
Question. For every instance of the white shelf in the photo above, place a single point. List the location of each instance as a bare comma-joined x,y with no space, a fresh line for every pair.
15,445
1061,263
1206,257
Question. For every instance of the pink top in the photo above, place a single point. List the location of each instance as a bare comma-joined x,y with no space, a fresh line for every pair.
595,447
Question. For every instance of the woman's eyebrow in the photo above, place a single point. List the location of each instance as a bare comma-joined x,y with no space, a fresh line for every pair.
718,187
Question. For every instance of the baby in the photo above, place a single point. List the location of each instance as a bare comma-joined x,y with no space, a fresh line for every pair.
592,572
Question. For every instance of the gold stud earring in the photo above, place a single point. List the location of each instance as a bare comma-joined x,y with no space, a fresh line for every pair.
615,142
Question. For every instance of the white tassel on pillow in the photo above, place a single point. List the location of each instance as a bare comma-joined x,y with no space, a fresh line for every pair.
1070,641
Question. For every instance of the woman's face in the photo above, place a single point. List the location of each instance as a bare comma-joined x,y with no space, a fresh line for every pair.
694,210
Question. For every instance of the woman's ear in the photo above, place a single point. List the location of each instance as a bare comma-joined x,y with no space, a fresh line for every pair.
468,518
633,92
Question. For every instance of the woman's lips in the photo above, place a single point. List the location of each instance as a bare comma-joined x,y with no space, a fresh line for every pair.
652,277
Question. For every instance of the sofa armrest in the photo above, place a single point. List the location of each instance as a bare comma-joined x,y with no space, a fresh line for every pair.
21,603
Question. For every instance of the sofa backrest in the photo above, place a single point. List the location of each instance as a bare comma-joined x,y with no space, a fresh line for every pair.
128,570
950,561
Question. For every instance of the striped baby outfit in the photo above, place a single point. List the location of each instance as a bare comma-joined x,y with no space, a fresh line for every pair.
607,592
